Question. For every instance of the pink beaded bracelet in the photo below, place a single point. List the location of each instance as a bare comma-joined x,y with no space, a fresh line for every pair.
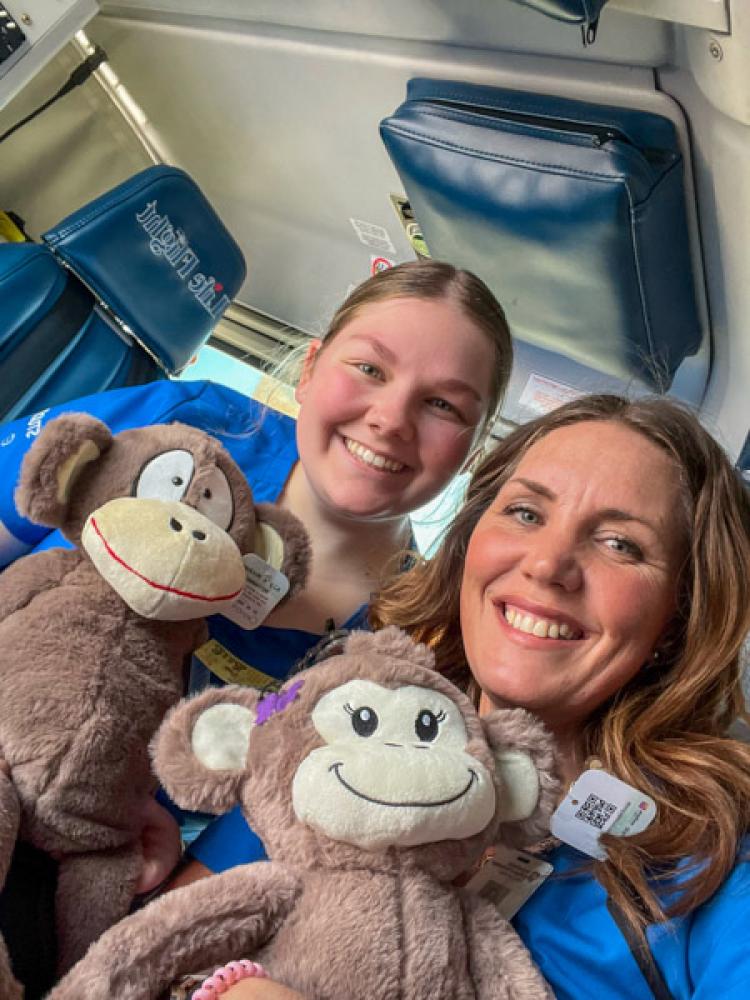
227,976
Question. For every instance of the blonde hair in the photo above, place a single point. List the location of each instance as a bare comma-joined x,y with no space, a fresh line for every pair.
427,279
665,731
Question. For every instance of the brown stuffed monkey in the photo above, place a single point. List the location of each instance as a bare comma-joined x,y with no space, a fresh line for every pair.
374,784
96,640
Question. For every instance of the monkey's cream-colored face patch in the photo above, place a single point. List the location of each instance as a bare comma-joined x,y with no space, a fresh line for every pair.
165,559
394,769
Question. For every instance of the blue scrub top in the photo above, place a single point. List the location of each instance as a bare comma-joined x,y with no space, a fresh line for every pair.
581,952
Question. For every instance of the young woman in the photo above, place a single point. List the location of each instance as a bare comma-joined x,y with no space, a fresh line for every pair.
392,402
604,554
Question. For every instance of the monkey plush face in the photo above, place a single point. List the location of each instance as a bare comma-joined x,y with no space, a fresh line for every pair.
393,768
163,512
370,750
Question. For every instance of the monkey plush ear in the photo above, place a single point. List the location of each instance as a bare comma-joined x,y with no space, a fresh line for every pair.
525,767
280,539
200,750
53,464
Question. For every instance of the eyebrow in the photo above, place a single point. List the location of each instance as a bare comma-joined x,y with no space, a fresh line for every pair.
608,514
446,385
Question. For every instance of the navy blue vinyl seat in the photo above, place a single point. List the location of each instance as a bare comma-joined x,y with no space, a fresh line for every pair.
123,291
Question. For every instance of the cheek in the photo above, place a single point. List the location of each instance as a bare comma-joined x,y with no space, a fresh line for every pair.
444,446
328,396
636,611
488,555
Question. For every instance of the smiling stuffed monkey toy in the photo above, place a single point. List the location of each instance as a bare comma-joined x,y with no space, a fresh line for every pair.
374,784
95,640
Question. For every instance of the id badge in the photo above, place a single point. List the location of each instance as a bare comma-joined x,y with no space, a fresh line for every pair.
508,879
597,803
264,588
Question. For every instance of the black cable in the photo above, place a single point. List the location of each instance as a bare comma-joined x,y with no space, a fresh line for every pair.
79,75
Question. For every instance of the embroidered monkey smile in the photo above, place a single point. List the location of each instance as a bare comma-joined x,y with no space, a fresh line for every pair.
152,583
402,805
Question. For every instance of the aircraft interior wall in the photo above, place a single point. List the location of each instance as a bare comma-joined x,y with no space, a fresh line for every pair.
273,107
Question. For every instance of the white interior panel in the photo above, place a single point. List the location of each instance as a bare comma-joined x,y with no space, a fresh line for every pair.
273,107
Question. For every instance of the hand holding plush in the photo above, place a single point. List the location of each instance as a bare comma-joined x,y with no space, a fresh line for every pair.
373,784
95,640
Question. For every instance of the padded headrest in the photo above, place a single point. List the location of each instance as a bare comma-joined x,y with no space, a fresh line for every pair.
157,254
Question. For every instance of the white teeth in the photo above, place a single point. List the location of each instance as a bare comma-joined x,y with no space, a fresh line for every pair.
540,627
372,458
527,624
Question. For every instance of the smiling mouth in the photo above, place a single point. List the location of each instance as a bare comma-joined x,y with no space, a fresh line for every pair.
152,583
402,805
543,628
371,458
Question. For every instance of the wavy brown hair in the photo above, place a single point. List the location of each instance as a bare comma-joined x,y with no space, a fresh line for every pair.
665,731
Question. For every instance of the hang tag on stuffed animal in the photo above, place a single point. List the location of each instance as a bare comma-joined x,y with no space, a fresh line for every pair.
509,878
264,588
597,803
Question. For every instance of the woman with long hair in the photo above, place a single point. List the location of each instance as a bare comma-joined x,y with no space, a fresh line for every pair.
603,554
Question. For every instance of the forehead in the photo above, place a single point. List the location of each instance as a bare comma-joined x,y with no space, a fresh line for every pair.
412,322
607,461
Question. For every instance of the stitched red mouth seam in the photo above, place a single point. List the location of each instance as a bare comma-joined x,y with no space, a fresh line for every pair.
153,583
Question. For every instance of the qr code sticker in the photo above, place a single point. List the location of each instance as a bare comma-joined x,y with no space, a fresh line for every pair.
595,811
494,893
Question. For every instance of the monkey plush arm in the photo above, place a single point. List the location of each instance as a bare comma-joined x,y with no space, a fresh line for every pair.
208,923
31,575
500,966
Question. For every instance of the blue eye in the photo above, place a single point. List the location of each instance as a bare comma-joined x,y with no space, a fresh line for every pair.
523,514
623,546
442,404
371,371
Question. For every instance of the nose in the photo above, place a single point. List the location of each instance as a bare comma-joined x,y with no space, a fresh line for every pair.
198,535
552,559
391,414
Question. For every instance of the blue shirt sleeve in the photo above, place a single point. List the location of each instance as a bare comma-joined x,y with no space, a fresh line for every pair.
226,842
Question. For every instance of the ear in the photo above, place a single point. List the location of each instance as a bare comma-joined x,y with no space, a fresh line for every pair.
200,750
53,464
281,539
300,390
525,767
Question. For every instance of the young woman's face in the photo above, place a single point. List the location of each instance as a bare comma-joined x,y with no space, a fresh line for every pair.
570,576
390,407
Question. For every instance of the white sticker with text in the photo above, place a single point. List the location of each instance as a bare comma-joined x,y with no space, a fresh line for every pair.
264,588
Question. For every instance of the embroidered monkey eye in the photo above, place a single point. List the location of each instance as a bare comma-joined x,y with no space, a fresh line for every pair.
364,720
215,499
427,725
165,476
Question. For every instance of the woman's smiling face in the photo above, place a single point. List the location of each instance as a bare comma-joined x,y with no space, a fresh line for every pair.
570,576
390,407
